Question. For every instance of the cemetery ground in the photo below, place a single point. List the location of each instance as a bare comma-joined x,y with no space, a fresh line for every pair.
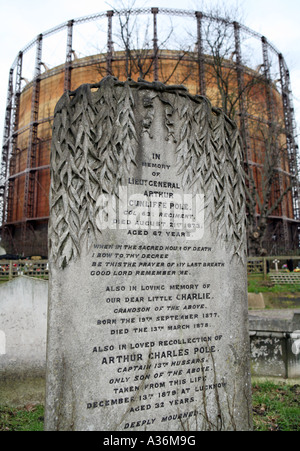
275,296
276,407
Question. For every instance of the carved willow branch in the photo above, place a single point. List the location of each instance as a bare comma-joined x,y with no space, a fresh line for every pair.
94,149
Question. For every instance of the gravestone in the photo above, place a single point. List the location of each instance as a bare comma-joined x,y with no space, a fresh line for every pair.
148,321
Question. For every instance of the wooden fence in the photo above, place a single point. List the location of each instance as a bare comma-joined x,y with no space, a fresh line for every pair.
276,268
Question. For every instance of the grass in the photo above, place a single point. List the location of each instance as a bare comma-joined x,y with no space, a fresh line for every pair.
275,296
276,407
29,418
257,284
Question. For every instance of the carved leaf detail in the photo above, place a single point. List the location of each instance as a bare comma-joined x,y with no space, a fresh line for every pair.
125,140
209,158
93,147
94,150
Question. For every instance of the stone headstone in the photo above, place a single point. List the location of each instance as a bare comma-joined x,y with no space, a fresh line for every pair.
148,320
256,301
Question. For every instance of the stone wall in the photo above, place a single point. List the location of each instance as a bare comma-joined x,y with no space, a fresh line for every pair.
23,325
275,337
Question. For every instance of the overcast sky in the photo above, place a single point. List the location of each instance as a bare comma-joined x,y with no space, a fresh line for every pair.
23,20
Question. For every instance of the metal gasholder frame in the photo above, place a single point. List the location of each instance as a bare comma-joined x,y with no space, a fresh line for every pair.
11,126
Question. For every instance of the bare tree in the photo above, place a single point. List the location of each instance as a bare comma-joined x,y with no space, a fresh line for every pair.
239,91
268,185
133,40
138,53
247,101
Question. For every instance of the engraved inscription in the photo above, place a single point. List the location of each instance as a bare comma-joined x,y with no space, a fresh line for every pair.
148,291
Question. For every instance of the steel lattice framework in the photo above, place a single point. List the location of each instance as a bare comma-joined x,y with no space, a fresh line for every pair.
11,127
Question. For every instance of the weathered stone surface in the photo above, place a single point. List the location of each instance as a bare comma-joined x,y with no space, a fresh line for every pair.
256,300
274,338
148,320
23,328
276,320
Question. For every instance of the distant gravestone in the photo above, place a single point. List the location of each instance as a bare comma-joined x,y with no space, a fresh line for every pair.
256,301
148,321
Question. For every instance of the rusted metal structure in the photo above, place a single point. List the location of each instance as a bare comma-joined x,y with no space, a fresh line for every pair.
25,165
